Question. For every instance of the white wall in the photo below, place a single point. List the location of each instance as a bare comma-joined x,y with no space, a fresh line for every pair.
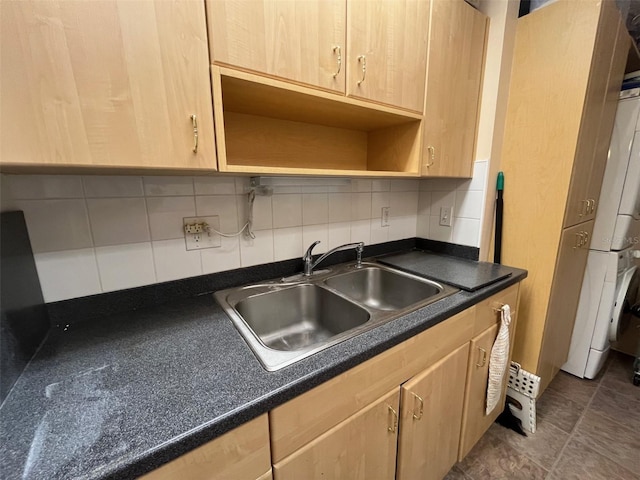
93,234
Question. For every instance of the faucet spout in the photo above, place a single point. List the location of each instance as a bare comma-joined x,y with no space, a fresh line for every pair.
309,264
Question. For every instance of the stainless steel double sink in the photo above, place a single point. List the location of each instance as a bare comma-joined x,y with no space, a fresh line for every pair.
286,320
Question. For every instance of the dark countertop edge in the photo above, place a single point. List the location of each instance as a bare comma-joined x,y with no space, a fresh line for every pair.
220,425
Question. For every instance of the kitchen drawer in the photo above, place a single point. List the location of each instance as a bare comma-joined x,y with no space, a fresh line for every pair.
486,313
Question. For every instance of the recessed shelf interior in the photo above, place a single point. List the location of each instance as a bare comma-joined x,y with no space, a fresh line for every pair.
271,126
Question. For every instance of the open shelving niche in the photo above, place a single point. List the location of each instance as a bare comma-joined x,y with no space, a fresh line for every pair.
265,125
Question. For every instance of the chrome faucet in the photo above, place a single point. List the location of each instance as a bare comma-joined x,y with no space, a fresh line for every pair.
309,265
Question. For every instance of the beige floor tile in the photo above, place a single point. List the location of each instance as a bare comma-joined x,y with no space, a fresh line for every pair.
579,390
558,410
493,459
618,405
620,443
579,462
543,447
619,374
456,474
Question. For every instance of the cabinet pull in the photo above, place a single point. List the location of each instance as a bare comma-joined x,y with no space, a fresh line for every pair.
432,155
582,238
421,410
584,208
337,50
362,59
585,238
194,122
592,205
482,362
393,417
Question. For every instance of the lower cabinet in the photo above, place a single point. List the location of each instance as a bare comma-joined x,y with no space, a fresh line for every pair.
241,454
361,447
431,416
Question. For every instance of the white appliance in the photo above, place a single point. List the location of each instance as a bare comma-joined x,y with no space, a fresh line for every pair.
612,278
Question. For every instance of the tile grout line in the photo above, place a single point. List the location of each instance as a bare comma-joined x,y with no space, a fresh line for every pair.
575,427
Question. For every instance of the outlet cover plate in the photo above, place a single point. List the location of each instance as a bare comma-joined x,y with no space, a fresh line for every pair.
446,214
206,239
384,218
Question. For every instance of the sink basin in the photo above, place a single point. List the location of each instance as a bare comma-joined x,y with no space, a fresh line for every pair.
299,316
286,320
382,288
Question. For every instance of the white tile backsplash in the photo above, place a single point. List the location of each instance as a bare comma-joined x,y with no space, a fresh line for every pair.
166,216
361,206
158,186
214,185
45,186
67,274
315,208
101,186
467,199
339,207
339,234
226,207
125,266
55,225
116,221
256,251
466,231
226,257
172,261
287,210
126,231
287,243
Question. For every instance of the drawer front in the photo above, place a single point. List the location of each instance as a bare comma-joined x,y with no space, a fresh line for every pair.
308,416
487,311
241,454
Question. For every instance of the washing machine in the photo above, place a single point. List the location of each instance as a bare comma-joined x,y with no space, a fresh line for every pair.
608,304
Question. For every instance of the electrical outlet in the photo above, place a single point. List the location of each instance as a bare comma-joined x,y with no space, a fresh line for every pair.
446,214
384,219
198,233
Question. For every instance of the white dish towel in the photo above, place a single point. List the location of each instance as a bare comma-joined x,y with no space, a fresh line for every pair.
499,360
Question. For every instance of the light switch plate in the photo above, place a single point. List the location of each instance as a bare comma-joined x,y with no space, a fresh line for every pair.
446,214
202,236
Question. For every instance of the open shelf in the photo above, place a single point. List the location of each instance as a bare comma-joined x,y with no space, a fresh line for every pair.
269,126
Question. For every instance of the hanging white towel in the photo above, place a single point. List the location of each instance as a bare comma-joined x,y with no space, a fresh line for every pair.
499,360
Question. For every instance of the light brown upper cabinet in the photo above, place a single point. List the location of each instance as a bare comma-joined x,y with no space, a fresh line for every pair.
387,51
105,84
457,39
300,41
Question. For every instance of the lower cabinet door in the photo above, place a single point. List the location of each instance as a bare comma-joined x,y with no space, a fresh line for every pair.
431,418
362,447
475,421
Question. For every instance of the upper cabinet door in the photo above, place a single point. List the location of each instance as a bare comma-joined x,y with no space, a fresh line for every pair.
110,84
301,41
454,79
387,51
601,101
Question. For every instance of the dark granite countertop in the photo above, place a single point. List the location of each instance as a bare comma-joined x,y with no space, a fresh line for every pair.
119,397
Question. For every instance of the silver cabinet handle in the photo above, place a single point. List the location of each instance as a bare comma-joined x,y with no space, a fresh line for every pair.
432,155
417,397
194,122
363,60
336,50
482,362
393,416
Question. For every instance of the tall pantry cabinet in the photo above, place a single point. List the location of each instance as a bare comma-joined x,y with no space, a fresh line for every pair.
569,60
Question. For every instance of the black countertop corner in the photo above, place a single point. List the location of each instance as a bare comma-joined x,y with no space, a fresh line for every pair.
119,397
